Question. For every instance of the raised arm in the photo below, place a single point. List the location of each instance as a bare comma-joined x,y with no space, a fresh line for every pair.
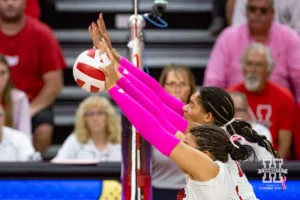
139,91
98,32
188,158
172,102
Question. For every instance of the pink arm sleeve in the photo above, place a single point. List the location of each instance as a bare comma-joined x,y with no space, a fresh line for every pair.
169,100
144,122
138,89
146,103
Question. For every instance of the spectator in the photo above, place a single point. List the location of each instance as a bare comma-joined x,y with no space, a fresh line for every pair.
286,12
272,104
14,145
167,177
33,9
224,68
36,62
242,111
97,133
179,81
15,102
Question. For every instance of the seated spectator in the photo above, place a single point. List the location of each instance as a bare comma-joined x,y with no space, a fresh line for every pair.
14,145
36,62
15,102
97,133
167,177
242,110
224,68
272,105
179,81
286,12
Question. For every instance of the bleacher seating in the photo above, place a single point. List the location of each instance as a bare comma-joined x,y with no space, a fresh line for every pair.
186,40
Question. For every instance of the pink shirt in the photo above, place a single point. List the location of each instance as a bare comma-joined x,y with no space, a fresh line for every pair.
224,68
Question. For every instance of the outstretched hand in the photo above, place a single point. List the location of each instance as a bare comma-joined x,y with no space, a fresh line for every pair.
111,72
98,32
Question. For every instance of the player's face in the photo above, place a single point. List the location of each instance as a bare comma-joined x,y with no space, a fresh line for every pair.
4,75
11,10
260,15
191,140
178,85
96,120
194,111
255,70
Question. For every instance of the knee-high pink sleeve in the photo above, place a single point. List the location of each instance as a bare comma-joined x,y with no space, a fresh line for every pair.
138,89
144,122
172,102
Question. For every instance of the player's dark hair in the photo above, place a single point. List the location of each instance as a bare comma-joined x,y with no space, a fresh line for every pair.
216,141
220,104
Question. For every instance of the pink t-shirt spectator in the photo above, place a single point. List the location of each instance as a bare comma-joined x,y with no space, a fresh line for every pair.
224,68
21,115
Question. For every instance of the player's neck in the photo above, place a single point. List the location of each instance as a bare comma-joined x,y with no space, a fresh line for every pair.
100,140
12,29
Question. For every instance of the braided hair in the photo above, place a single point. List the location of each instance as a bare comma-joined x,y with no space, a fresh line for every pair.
215,140
218,102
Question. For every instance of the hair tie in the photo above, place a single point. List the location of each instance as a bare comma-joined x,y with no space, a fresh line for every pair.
234,138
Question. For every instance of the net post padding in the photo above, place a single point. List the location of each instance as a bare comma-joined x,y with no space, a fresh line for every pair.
136,45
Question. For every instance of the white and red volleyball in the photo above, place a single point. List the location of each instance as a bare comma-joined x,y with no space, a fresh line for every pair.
86,71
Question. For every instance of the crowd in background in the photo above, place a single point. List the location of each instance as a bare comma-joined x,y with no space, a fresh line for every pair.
255,58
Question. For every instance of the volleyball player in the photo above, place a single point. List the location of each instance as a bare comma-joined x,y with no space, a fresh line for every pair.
203,154
209,106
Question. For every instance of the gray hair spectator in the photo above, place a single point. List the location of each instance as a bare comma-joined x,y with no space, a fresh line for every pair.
224,67
271,104
36,62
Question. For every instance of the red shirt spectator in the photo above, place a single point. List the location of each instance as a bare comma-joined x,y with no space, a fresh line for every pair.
273,107
32,9
31,53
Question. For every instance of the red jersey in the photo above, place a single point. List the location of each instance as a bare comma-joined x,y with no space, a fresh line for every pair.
31,53
33,9
274,107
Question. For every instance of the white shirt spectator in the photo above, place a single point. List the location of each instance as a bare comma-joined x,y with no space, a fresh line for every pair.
286,12
72,149
15,146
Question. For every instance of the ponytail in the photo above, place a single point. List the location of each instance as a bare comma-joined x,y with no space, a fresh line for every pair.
245,130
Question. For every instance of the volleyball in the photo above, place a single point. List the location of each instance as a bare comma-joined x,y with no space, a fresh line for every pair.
86,71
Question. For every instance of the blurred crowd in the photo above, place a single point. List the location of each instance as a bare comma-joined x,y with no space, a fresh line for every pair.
256,57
